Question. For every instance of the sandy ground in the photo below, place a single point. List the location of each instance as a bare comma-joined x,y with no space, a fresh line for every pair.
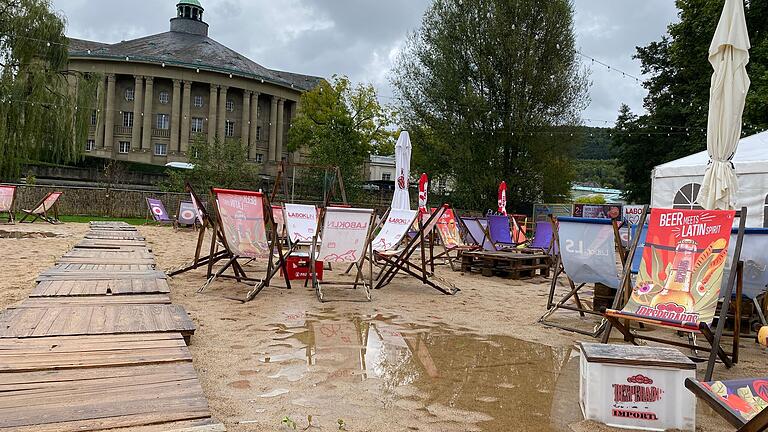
412,359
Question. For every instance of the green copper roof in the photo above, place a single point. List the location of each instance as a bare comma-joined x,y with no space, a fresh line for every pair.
190,2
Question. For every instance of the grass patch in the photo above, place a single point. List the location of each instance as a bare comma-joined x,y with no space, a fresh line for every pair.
86,219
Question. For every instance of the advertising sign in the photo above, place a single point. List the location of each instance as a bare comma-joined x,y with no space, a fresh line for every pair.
631,215
242,220
301,221
6,197
682,265
597,211
345,232
541,212
744,398
394,229
449,232
588,251
157,209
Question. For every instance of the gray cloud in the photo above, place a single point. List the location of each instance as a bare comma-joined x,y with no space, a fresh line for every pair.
359,38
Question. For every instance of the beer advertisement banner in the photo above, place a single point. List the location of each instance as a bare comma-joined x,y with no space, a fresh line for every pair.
597,211
682,265
588,251
6,198
242,220
301,221
449,232
394,229
345,232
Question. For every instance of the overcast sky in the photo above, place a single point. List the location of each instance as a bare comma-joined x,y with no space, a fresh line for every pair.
360,38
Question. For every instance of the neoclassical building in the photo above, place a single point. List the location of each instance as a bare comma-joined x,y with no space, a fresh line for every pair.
161,92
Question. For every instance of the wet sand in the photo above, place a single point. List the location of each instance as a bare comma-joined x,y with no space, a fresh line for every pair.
412,359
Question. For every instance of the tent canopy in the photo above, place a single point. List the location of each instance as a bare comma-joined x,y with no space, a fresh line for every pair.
751,158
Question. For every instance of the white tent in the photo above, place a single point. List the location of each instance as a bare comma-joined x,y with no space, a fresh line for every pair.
677,183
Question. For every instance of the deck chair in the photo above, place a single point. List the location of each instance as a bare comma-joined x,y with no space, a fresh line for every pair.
187,214
476,229
679,280
7,200
205,221
449,229
347,240
587,255
300,224
755,273
156,208
277,214
400,261
46,209
742,402
241,220
499,233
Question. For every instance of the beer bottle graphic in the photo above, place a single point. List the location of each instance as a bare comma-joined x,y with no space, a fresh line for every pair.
677,288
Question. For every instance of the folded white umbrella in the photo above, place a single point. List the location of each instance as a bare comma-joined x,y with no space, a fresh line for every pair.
401,200
729,55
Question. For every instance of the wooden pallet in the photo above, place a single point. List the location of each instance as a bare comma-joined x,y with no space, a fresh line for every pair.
59,288
94,300
510,264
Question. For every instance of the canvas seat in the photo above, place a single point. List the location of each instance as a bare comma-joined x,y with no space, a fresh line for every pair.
477,231
46,209
449,228
156,209
741,402
7,201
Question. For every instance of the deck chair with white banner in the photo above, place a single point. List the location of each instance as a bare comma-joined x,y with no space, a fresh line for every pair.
7,200
449,228
241,220
392,232
46,209
346,240
587,255
742,402
679,280
401,261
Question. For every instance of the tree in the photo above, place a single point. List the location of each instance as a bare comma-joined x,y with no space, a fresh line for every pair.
678,92
43,107
342,125
484,83
220,164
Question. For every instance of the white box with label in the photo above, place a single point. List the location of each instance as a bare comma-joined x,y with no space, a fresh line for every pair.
635,387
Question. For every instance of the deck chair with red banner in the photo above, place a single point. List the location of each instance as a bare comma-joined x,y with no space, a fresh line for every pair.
7,200
401,261
346,240
241,223
742,402
46,209
679,280
449,228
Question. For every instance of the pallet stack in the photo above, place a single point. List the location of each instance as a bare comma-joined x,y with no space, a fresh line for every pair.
98,345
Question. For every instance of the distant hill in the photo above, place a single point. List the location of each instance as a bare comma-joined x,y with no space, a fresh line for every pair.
597,146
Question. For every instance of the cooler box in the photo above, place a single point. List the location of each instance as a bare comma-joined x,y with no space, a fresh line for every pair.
636,387
298,268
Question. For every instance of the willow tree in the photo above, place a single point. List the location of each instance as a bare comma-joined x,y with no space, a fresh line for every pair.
44,108
489,89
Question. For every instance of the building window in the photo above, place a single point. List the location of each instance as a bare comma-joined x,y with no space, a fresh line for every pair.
386,176
127,119
229,128
163,97
198,101
90,145
259,158
685,199
197,125
129,94
230,105
93,118
258,133
161,149
163,121
124,147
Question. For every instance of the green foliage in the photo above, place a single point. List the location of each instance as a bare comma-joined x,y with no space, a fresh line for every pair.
341,125
39,97
678,91
475,79
600,173
596,144
221,164
590,199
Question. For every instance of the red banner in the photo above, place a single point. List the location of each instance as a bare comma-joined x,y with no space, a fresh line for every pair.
242,219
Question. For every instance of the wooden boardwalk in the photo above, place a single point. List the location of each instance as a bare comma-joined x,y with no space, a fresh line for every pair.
98,345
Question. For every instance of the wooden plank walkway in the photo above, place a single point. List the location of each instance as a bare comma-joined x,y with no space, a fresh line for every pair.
98,345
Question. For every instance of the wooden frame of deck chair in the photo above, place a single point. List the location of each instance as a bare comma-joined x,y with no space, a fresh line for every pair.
478,232
206,221
586,255
156,209
400,262
448,230
7,201
741,402
43,209
697,262
346,239
241,221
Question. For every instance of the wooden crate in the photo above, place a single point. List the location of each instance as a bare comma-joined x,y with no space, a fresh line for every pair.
509,264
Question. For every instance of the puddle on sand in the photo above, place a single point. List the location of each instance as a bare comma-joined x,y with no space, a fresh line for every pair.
25,235
490,382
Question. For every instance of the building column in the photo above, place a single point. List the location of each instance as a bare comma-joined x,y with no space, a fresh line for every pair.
109,123
254,124
149,92
273,129
222,117
175,107
294,109
100,91
246,129
280,129
138,107
185,103
212,103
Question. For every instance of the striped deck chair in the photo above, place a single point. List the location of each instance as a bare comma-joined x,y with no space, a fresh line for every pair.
242,218
7,201
679,280
46,209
